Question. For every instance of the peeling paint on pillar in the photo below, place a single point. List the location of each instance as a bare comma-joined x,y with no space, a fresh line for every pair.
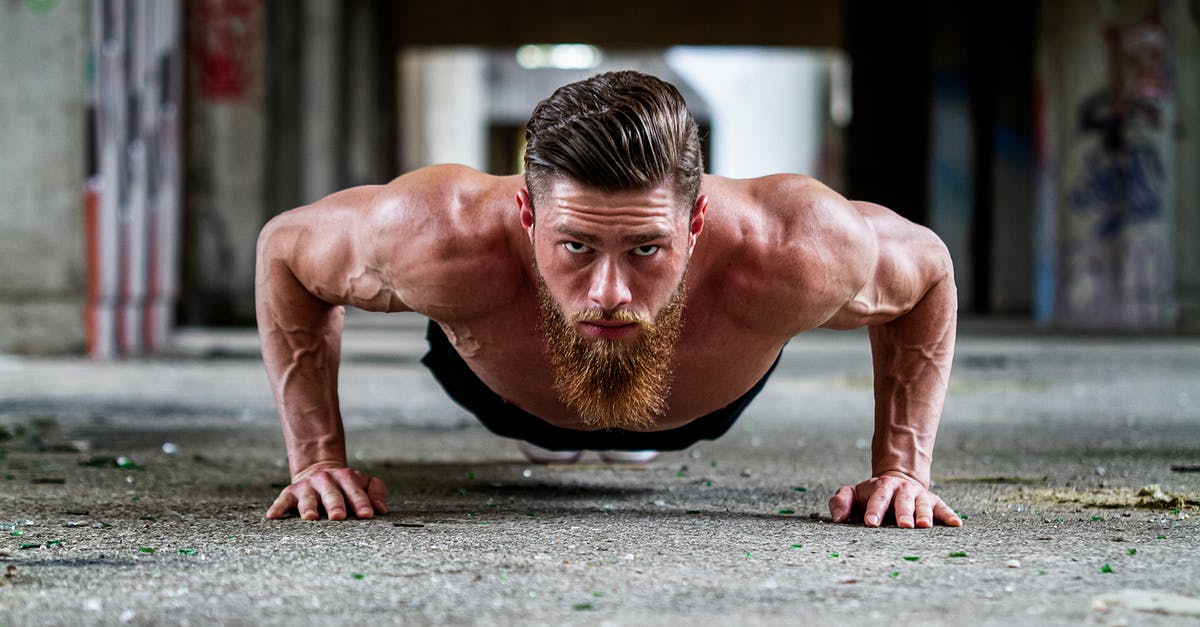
132,202
1107,197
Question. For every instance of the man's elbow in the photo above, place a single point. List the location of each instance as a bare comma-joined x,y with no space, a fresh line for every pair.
940,270
936,259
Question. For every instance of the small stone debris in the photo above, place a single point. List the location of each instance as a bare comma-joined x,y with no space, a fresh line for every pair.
746,472
1013,563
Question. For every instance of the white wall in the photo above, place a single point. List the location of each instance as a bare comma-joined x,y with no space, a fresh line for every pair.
768,106
443,107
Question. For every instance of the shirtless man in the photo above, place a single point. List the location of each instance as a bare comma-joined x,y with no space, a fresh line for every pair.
613,297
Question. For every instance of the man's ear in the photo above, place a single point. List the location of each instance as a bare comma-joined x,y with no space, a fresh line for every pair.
697,222
525,204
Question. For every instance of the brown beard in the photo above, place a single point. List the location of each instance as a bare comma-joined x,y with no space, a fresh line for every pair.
609,385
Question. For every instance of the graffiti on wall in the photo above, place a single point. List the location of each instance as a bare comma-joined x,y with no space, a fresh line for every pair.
224,40
1117,271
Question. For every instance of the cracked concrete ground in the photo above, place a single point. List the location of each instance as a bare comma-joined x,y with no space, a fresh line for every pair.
731,531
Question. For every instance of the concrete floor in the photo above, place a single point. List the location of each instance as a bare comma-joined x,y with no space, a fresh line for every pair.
732,531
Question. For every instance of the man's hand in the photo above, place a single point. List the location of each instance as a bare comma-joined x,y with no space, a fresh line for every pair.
329,489
912,503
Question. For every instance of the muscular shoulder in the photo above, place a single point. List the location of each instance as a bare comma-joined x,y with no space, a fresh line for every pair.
432,241
443,202
803,250
442,237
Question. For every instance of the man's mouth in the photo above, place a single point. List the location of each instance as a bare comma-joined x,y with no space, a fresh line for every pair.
608,329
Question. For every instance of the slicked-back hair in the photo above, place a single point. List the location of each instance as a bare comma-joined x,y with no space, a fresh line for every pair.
617,131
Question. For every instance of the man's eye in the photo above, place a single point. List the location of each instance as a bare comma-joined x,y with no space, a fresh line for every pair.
575,247
645,251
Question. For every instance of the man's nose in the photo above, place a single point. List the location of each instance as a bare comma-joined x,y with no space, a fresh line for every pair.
609,288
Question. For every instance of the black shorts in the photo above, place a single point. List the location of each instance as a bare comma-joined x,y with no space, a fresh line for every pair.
510,421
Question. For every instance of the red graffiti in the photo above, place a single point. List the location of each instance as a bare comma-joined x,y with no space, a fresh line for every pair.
224,39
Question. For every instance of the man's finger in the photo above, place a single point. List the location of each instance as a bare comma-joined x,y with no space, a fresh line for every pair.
877,505
904,504
331,496
943,514
307,502
924,510
283,504
377,492
841,504
351,486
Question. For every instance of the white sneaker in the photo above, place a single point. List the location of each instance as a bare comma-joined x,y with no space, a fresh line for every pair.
539,455
628,457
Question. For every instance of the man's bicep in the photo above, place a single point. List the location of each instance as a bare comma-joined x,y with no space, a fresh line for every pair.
911,259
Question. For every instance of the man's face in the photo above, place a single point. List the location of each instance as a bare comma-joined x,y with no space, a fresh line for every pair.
610,271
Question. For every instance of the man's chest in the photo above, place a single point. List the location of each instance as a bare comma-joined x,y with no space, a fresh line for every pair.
715,362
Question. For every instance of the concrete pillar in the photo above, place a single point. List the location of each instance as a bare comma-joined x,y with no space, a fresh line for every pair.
323,85
363,137
1183,36
952,150
42,113
133,208
1107,203
226,159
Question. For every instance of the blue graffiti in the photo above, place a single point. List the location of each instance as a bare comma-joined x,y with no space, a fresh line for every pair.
1124,187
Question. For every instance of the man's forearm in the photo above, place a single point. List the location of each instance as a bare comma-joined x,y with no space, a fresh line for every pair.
912,356
301,348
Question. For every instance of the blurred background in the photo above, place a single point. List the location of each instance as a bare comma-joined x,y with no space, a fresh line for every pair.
1054,146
